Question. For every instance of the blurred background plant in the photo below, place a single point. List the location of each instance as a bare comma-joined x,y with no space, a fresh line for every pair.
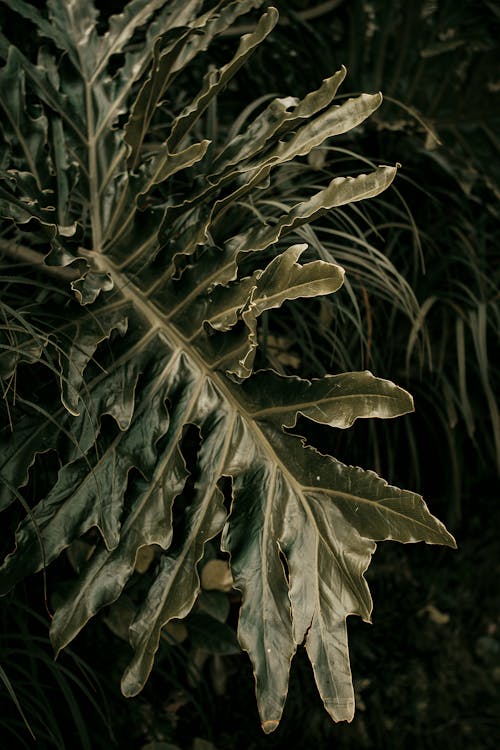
46,703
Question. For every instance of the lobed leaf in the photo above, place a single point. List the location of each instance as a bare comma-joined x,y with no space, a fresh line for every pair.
164,339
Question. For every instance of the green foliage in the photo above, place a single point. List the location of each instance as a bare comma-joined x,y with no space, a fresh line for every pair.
33,681
421,302
149,224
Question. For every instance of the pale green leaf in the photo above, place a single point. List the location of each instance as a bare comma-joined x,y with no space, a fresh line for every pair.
215,80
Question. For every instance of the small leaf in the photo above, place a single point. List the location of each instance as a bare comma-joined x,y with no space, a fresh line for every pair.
340,191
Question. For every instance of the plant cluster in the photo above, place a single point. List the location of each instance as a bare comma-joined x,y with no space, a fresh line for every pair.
140,257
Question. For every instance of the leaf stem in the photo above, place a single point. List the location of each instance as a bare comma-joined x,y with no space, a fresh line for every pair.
93,173
36,259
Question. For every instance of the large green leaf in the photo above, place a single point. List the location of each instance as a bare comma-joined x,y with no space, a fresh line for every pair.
166,339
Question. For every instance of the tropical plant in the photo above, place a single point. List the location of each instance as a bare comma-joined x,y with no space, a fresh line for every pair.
132,370
433,293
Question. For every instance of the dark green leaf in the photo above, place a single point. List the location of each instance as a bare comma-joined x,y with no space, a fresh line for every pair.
209,634
170,295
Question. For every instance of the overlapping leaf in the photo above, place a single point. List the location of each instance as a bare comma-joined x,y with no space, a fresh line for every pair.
169,343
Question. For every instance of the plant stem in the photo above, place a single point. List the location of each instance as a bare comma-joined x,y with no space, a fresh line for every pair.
33,258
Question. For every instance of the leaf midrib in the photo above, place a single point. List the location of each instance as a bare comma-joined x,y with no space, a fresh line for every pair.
159,320
373,503
296,407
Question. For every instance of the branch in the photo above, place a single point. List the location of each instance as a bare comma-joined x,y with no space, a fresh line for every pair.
35,259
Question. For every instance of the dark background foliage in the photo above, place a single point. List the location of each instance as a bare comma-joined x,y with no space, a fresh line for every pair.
427,673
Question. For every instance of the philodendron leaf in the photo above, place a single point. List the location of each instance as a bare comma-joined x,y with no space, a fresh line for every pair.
283,279
160,342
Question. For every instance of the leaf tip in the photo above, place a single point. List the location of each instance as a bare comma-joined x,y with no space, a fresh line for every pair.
57,643
340,711
270,725
340,75
268,20
129,687
451,541
71,406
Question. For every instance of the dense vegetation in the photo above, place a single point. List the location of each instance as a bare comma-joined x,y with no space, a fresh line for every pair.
419,305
